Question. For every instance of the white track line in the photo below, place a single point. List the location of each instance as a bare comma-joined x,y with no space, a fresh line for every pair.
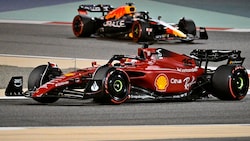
24,22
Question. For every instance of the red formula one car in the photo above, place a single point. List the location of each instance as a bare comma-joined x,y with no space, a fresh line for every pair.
125,22
154,73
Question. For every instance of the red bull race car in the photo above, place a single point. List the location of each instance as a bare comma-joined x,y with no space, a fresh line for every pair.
126,22
151,74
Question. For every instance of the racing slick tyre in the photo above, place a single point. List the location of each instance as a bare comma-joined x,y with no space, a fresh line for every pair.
36,78
116,86
83,26
141,32
230,82
188,27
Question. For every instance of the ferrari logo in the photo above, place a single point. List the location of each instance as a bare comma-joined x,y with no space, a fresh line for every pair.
161,83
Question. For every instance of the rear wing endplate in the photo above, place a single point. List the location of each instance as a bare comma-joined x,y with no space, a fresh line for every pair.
203,33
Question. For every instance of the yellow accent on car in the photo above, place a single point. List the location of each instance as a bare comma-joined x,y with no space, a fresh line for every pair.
120,11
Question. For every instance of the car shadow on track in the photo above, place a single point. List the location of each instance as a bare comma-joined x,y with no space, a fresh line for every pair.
129,41
90,102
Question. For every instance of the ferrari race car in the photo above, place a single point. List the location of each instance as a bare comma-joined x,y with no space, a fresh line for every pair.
152,74
125,22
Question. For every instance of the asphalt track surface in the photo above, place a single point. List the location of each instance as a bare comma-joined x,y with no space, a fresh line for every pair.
58,41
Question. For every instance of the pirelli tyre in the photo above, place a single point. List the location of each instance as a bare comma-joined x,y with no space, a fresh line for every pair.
83,26
230,82
116,85
38,77
141,32
187,26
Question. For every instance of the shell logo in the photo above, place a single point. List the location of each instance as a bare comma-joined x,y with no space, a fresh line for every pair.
161,82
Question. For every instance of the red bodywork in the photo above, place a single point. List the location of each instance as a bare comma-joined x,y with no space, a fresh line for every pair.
154,69
154,73
166,72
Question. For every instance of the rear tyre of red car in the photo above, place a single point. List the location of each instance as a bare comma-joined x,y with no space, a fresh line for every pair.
141,32
230,82
82,26
36,78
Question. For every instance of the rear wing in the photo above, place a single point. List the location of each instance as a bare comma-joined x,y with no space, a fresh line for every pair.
94,8
214,55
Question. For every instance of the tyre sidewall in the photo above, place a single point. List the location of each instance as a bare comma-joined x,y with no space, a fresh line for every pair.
117,95
139,32
83,26
37,78
187,26
230,82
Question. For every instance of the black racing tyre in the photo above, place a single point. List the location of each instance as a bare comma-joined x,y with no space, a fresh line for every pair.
37,78
117,86
140,33
82,26
115,83
187,26
230,82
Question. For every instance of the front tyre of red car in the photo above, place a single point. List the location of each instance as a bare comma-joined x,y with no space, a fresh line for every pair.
38,77
230,82
82,26
117,86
